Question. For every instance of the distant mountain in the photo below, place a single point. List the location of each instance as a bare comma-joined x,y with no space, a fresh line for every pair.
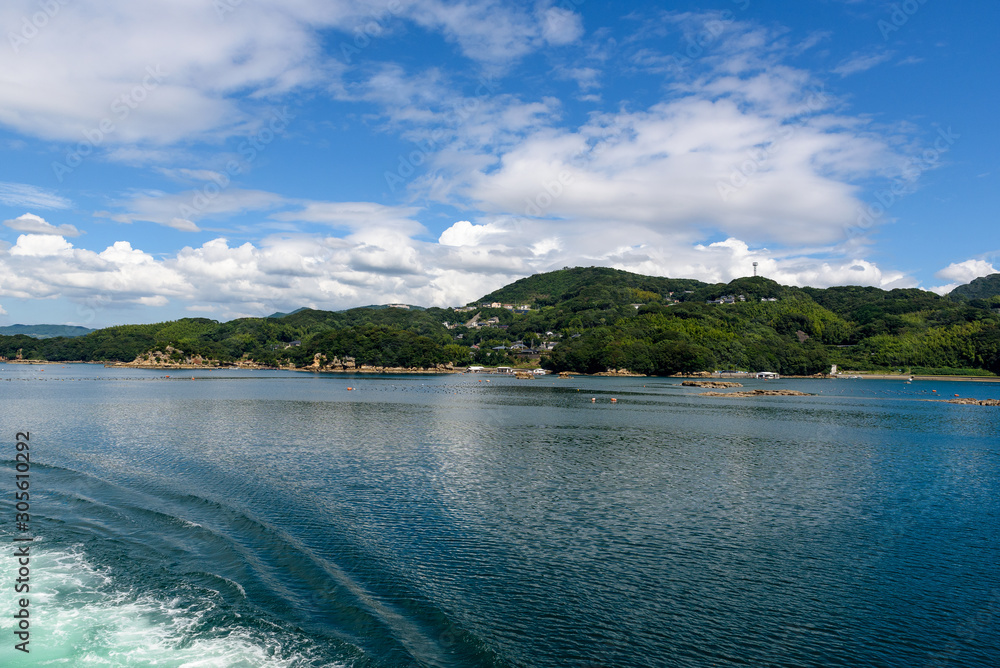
279,314
405,307
371,306
981,288
44,331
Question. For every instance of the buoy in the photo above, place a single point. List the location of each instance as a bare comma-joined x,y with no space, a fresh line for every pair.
349,389
592,400
613,400
956,395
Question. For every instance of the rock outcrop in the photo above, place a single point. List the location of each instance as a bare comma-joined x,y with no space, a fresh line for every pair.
168,358
759,393
619,372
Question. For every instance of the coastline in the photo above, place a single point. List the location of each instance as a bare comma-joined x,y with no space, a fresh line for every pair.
447,369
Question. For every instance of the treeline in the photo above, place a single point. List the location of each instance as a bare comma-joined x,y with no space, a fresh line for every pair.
596,319
381,337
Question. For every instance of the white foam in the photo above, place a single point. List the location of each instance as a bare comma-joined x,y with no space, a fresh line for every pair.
79,618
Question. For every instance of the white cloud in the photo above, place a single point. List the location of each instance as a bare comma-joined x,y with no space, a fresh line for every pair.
464,233
496,32
743,145
183,210
587,78
33,224
691,165
561,26
742,149
40,245
862,62
357,216
24,195
86,72
46,266
965,272
2,311
380,265
960,273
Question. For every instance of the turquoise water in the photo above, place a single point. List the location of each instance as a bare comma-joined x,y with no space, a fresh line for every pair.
280,519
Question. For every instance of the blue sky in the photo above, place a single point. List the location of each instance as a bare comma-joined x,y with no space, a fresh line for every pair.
226,158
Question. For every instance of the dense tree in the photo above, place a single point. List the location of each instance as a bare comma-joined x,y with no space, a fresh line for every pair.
598,318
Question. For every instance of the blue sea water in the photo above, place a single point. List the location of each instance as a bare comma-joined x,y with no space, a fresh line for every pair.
261,518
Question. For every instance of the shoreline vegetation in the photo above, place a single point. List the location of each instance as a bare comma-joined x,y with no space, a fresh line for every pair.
854,375
593,321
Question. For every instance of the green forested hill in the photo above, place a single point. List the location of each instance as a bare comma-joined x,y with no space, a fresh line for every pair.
590,320
555,286
985,287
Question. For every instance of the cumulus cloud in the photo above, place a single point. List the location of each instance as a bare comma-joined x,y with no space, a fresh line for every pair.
33,224
379,265
965,272
960,273
744,159
692,164
743,145
464,233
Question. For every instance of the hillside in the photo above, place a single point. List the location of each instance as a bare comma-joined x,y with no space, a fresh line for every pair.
985,287
555,286
587,320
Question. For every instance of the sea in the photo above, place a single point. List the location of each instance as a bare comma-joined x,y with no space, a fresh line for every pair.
283,519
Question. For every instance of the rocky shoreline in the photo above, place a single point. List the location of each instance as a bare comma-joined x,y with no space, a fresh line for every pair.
711,384
758,393
974,402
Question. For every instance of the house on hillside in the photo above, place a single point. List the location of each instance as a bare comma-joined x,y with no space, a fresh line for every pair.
728,299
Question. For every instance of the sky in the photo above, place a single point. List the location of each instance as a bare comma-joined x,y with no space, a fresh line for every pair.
229,158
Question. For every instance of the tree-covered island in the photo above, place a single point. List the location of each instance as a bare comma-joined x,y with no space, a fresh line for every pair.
587,320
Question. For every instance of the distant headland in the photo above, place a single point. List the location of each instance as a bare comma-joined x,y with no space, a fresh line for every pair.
582,320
